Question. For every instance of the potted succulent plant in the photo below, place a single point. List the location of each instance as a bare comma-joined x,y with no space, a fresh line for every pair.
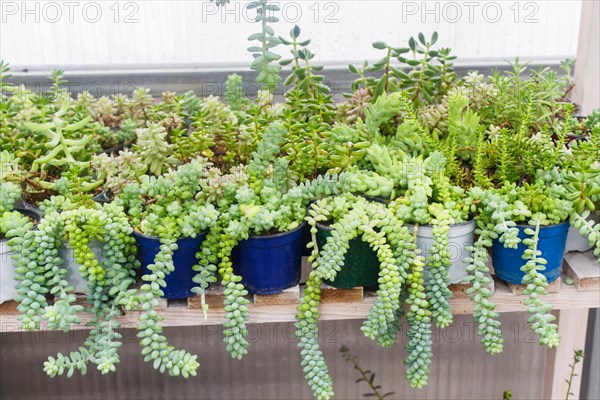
580,176
14,219
256,243
45,295
361,266
401,268
170,212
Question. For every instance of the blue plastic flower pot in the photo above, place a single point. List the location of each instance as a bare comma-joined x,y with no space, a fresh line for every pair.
271,263
180,281
552,240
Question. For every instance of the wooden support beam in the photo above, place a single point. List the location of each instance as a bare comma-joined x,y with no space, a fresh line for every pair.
553,287
330,294
587,70
288,296
572,327
584,269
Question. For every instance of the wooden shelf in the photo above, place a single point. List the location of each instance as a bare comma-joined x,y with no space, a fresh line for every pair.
567,298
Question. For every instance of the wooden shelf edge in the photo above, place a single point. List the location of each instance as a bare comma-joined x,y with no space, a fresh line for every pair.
568,298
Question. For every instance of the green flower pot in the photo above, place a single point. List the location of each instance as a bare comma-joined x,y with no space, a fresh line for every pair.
361,266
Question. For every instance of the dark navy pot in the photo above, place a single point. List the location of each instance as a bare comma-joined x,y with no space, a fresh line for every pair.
180,281
552,240
271,263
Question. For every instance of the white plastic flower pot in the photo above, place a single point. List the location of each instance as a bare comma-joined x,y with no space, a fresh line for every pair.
74,277
7,273
576,241
8,283
460,237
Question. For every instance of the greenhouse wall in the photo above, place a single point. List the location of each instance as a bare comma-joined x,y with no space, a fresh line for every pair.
125,34
461,368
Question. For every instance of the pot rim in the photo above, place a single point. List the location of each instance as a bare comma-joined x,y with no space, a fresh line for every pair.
565,222
324,227
471,221
278,234
329,228
31,209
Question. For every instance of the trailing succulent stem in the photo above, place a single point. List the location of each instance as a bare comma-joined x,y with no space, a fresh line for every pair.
484,309
540,319
588,229
155,347
400,262
236,305
438,263
264,58
419,343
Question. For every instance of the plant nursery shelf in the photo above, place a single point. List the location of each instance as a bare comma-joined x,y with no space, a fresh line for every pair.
567,297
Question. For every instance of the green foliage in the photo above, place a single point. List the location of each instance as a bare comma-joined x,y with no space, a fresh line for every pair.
499,212
40,272
117,170
484,309
365,376
10,193
57,144
588,229
155,347
264,58
4,75
234,92
426,76
418,347
303,75
400,262
306,120
540,319
170,207
577,357
154,149
438,263
440,150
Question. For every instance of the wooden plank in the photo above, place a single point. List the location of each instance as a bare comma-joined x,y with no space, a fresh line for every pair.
459,290
572,327
584,269
163,304
9,307
553,287
214,298
587,69
329,294
568,298
288,296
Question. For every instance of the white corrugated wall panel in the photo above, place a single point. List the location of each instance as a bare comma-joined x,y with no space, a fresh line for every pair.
164,33
461,369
